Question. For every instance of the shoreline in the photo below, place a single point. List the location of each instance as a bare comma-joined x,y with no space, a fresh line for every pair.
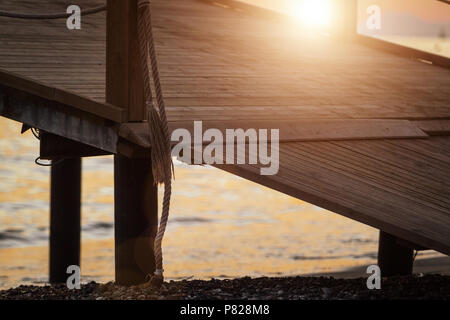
101,270
431,280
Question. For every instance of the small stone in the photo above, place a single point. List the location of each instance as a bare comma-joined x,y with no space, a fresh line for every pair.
326,292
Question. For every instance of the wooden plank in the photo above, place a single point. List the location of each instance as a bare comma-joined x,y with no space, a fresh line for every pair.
344,24
301,130
373,170
434,127
355,182
240,66
420,159
350,210
298,112
22,83
398,213
394,203
247,9
104,110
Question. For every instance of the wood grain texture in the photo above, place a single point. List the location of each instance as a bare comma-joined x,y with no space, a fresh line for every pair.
383,183
124,81
62,96
434,127
224,65
290,131
218,63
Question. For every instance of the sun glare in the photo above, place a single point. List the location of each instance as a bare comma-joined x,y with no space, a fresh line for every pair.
313,13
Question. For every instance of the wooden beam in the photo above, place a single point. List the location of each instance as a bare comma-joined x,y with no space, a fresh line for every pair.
132,150
65,217
58,119
63,97
124,81
393,258
135,195
411,245
57,147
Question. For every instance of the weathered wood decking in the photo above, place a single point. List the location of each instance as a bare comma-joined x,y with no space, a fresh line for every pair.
227,66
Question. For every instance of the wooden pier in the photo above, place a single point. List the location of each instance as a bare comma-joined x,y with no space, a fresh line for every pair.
364,125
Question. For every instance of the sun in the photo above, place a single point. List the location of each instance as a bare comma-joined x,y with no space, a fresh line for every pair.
313,13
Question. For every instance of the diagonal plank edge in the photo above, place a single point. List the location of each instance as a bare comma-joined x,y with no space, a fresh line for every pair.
300,130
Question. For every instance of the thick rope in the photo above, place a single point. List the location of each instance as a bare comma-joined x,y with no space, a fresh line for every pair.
50,16
162,166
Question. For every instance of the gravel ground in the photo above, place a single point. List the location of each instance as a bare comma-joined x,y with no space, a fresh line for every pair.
293,288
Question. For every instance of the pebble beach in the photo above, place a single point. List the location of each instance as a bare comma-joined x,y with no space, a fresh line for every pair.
429,287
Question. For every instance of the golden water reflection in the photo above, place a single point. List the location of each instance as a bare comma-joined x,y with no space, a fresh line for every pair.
220,225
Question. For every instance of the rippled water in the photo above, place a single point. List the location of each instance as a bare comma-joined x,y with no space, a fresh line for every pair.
220,225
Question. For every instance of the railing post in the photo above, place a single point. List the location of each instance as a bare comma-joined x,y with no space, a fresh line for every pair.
135,195
124,80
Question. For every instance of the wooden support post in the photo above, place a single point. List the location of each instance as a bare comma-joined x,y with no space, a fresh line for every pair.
65,217
135,195
136,219
393,258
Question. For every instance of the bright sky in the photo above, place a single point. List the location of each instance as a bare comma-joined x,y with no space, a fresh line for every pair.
413,23
426,9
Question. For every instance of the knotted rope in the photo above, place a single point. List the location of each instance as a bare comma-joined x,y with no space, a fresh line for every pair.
161,160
